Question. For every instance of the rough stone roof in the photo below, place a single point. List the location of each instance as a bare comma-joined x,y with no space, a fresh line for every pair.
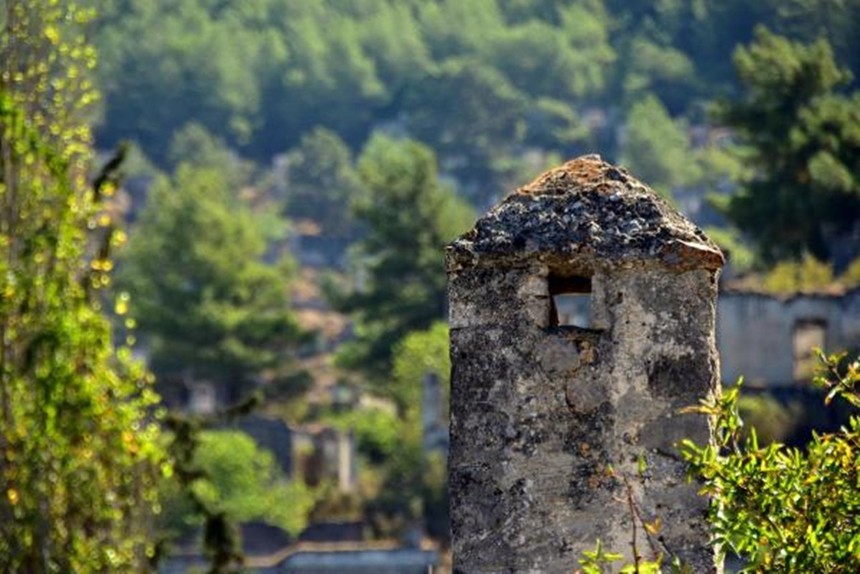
583,215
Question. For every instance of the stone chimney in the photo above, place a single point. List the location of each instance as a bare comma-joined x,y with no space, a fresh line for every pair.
563,434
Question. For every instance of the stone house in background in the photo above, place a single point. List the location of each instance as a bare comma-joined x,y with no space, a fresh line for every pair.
768,339
310,453
434,416
324,453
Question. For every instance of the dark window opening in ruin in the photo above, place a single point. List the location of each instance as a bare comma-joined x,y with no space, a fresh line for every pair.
571,301
808,335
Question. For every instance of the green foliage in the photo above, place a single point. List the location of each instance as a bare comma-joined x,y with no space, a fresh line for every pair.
80,456
204,67
483,119
409,216
414,487
136,164
452,29
851,276
806,275
784,509
563,62
599,561
194,145
242,481
656,148
415,484
655,67
772,421
553,124
417,354
321,181
297,66
808,20
805,146
377,432
593,561
328,78
739,254
208,304
779,509
221,536
477,80
221,479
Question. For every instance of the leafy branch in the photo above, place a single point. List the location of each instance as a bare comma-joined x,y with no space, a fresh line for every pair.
779,508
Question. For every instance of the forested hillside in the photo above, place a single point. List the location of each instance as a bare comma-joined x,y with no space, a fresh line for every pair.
373,124
492,86
286,173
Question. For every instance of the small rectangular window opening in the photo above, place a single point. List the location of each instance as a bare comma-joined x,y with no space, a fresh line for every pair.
571,301
808,334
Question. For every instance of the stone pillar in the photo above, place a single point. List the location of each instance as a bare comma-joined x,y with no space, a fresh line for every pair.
564,435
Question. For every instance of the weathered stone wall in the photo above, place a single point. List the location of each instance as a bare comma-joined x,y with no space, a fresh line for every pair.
542,416
755,331
562,435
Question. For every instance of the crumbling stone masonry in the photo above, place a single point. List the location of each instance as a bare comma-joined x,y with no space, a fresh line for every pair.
562,435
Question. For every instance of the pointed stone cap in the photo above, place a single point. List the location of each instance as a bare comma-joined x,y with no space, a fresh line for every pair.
581,216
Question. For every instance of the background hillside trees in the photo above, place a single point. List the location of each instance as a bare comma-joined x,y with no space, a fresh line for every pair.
803,140
207,304
408,215
656,148
483,82
320,181
417,354
239,480
484,122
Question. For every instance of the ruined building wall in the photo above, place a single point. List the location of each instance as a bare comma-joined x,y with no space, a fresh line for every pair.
558,409
565,435
756,332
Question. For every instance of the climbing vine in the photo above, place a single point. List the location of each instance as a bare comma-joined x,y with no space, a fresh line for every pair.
79,456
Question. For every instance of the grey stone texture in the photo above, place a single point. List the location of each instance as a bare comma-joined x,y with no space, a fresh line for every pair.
758,334
556,429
